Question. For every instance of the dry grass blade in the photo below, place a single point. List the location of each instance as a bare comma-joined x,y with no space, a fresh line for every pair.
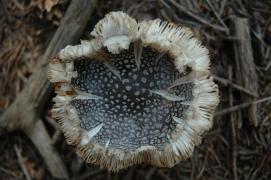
198,18
21,162
241,106
218,16
233,133
227,82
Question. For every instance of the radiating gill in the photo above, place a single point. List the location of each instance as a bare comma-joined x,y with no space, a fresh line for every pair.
87,136
159,57
113,69
177,120
85,95
175,149
107,144
165,94
138,48
180,122
94,131
183,80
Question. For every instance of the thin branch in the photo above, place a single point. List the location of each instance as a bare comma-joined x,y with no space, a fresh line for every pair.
217,16
10,173
245,66
198,18
41,139
21,163
227,82
241,106
233,132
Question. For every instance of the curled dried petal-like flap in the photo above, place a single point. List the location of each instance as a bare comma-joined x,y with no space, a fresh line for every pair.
116,31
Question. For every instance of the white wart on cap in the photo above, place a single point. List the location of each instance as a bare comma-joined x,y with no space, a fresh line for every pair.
136,93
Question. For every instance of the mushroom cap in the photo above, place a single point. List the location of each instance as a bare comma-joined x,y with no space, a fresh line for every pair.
138,92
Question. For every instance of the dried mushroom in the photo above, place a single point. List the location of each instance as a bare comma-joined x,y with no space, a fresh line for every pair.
138,92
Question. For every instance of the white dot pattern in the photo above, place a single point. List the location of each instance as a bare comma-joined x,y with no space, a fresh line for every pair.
132,115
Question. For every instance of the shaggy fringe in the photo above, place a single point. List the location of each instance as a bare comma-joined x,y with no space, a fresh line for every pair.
67,117
178,41
85,49
116,32
206,98
61,72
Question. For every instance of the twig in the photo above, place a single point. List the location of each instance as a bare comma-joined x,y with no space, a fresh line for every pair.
241,106
198,18
150,172
204,165
266,57
245,66
8,172
233,132
267,53
227,82
55,137
56,126
264,121
163,175
221,10
217,15
90,174
193,168
21,163
18,5
52,122
215,156
42,141
183,21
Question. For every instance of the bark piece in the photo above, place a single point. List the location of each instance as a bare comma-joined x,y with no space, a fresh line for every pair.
246,73
40,138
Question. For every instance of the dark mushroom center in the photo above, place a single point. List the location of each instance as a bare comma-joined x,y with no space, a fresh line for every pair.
132,115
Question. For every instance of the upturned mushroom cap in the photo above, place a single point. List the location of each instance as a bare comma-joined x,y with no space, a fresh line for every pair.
135,93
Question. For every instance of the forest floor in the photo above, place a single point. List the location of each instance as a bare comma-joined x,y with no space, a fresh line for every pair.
239,144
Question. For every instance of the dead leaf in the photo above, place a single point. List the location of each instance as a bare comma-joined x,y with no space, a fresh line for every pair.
49,4
34,170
